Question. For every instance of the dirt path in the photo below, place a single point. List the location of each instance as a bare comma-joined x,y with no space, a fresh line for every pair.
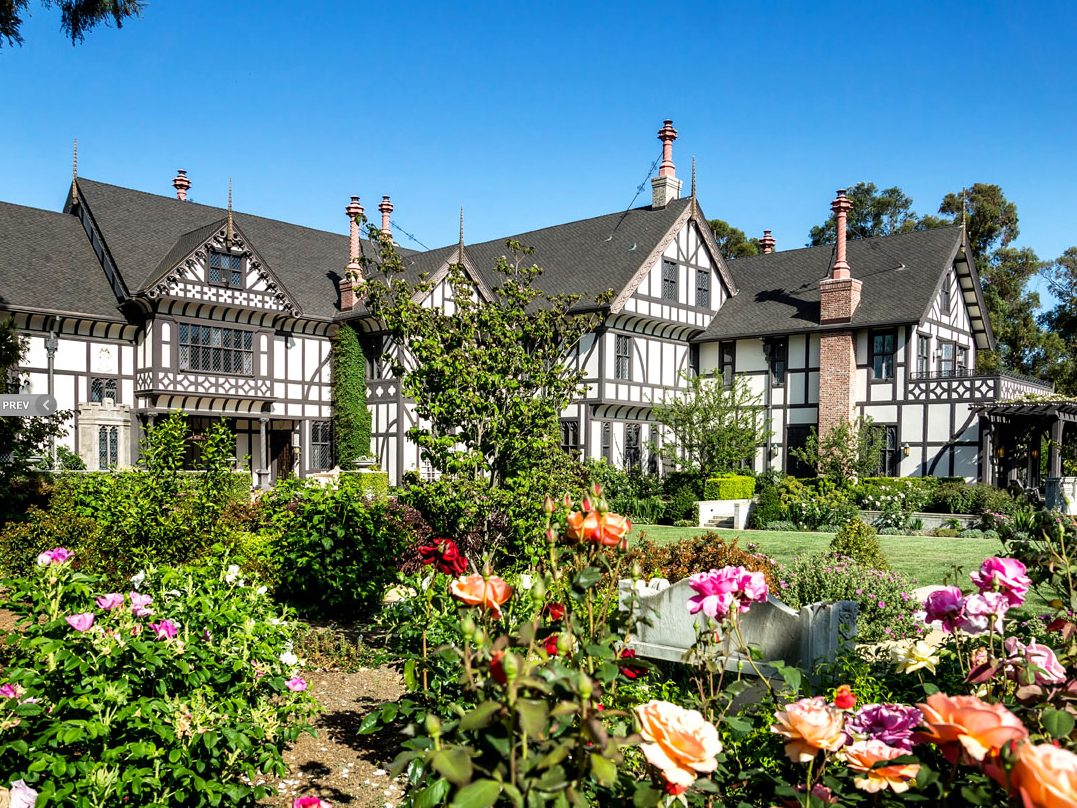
339,765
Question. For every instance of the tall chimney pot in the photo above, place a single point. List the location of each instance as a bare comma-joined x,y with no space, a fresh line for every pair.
354,211
841,207
386,208
666,187
767,242
181,184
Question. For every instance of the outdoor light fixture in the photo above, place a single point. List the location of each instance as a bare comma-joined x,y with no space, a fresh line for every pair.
905,449
773,449
1000,452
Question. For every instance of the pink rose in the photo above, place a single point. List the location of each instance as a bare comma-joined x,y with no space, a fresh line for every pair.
1045,776
310,802
8,691
165,630
753,587
1004,575
110,602
21,795
1037,660
296,684
714,592
139,604
57,555
945,605
983,612
80,622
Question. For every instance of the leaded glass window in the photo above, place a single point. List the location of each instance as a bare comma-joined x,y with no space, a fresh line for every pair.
108,439
882,354
321,445
570,436
607,446
102,388
622,360
214,349
703,288
226,269
669,280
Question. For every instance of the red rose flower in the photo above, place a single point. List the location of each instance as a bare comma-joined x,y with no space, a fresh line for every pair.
844,698
551,645
554,611
445,555
630,671
675,790
497,670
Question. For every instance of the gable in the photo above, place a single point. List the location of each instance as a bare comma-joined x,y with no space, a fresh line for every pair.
204,267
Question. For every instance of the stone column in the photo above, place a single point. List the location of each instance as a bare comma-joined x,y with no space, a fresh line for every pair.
263,453
987,451
1054,465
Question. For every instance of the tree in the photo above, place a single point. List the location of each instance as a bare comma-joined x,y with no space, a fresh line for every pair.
991,219
849,450
77,16
733,243
711,427
351,417
1060,344
875,213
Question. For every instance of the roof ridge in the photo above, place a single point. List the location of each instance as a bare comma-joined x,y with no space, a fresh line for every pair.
853,241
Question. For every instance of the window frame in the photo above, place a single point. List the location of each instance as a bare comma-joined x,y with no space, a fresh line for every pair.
324,429
633,446
923,355
622,360
108,443
946,302
670,271
890,454
607,442
703,288
778,346
246,354
570,436
104,383
727,369
873,355
944,360
226,283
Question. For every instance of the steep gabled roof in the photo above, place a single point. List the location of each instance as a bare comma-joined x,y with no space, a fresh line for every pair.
46,262
779,293
141,232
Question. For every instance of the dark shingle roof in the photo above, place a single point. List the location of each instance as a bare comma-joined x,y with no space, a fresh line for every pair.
141,230
779,293
46,262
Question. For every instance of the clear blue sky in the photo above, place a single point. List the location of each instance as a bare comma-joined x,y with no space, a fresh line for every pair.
530,115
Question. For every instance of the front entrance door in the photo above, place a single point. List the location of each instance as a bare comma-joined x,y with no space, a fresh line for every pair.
282,453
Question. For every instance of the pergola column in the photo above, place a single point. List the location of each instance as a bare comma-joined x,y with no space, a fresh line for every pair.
263,472
987,451
1054,456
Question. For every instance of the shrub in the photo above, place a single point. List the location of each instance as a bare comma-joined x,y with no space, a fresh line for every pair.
945,532
729,486
891,531
703,552
337,550
685,523
960,497
768,507
992,534
683,505
971,533
645,511
781,527
859,541
187,707
885,598
828,529
676,480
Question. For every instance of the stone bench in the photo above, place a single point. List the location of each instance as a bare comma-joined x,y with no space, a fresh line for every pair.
804,638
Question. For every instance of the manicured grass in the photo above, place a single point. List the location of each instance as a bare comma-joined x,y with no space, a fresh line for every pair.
925,558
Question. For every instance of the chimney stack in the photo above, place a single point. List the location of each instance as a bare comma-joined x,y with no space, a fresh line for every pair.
386,208
666,187
353,272
181,184
767,242
841,207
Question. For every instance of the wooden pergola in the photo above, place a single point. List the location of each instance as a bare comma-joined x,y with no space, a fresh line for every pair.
1012,433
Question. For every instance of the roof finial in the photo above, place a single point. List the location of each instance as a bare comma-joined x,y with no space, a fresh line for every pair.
693,176
460,257
964,205
228,230
75,173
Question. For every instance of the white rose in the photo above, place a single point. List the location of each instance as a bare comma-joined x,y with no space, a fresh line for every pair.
138,579
262,590
525,582
232,574
288,658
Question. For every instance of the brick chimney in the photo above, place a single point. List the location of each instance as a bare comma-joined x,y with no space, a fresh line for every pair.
386,208
839,297
666,187
767,242
181,184
353,272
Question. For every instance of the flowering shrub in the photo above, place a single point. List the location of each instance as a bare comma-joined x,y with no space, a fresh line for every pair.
859,541
182,690
679,560
887,605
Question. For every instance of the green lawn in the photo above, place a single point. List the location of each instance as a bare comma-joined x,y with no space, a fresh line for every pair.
925,558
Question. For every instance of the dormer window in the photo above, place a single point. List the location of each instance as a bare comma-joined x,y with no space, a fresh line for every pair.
226,269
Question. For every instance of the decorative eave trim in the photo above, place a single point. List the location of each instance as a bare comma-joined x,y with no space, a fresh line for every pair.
472,273
649,262
159,287
962,253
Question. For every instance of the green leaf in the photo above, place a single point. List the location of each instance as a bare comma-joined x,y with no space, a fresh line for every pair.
533,714
605,771
371,723
434,794
479,716
1058,723
645,796
410,681
388,713
454,764
587,578
555,756
930,689
480,794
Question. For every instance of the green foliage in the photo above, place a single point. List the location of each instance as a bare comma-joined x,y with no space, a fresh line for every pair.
875,213
120,521
858,541
337,550
979,498
768,507
829,577
710,427
646,511
351,416
119,715
370,484
849,450
732,242
729,486
79,17
706,551
684,506
821,503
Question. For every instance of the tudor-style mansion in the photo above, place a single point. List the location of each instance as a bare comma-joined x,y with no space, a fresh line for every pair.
135,304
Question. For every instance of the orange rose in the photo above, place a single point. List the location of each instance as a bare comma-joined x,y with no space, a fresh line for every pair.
474,590
683,742
965,724
1045,776
810,725
612,528
581,527
863,755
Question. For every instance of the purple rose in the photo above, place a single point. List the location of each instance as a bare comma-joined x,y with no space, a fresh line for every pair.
80,622
111,601
1037,660
984,612
945,605
57,555
893,724
1005,575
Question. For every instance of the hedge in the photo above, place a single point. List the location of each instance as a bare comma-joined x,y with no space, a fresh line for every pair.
370,484
729,487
